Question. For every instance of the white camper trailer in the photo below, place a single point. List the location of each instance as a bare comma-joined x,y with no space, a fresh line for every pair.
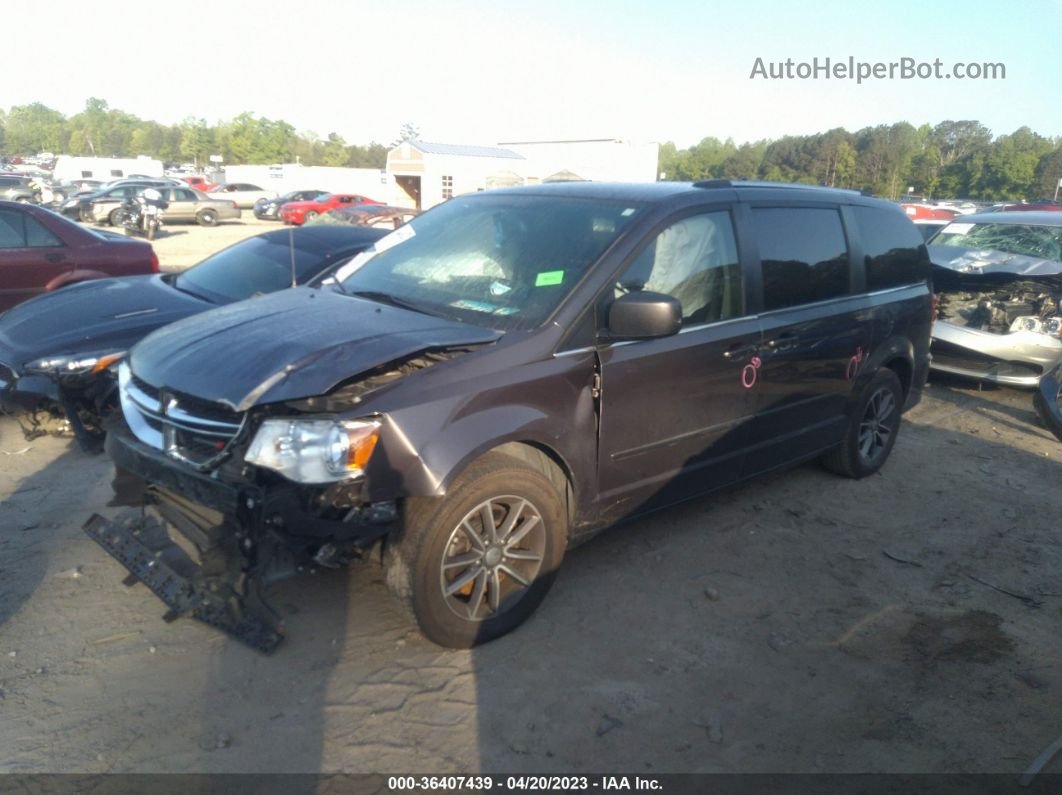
69,168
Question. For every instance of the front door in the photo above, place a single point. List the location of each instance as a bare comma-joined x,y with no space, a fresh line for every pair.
674,410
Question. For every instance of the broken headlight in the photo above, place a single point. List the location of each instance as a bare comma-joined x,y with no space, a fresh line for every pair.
314,451
1051,326
75,364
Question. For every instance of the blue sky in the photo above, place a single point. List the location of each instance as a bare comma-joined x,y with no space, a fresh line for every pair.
466,71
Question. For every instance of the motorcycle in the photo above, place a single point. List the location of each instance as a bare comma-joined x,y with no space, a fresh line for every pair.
141,216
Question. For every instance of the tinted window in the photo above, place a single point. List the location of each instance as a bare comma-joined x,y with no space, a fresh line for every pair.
250,267
892,248
694,260
37,235
804,255
11,232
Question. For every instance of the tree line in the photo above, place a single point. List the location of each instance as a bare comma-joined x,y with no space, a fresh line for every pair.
954,159
102,131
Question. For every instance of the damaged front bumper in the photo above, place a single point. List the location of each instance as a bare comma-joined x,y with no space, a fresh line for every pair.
206,543
141,543
1017,358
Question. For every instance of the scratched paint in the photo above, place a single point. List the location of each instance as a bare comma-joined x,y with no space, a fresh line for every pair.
751,372
853,364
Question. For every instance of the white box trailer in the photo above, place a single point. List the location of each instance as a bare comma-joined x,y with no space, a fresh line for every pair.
70,168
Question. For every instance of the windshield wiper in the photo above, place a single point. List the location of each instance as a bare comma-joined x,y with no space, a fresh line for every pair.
386,298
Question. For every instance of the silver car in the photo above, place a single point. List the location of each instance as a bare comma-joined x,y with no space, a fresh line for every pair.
185,204
998,279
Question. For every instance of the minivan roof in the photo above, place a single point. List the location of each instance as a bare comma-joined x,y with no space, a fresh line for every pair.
661,191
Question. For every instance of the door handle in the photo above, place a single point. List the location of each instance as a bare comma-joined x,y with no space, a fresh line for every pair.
783,342
739,353
54,257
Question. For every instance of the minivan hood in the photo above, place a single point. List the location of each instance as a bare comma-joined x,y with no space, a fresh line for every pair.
93,316
288,345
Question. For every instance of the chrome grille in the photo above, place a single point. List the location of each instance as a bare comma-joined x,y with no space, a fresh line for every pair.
195,431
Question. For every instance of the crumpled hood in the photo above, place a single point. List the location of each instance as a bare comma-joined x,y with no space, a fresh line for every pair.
986,262
288,345
100,315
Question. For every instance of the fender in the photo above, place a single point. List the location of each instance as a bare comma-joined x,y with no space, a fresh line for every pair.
412,465
73,277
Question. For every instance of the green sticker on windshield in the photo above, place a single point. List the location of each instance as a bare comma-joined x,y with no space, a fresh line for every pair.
549,278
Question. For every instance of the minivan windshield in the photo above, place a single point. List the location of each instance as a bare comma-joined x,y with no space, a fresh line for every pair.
499,261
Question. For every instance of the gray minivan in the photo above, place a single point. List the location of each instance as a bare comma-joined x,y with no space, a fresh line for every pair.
504,376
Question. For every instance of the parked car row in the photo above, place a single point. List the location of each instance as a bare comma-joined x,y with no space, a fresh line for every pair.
58,352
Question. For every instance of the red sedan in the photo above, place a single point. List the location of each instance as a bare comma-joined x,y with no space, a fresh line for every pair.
299,213
42,251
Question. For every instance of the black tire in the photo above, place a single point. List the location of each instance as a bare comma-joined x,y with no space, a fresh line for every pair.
309,216
207,218
487,598
873,425
116,217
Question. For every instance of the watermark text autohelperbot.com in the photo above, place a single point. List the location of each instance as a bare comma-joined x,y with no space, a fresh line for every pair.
851,69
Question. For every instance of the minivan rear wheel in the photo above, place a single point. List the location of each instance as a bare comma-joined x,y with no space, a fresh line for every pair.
473,565
872,428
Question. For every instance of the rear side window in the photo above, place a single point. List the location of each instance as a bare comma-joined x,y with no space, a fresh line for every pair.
21,230
37,235
892,245
804,255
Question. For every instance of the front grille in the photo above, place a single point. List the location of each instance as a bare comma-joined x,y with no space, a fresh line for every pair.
189,429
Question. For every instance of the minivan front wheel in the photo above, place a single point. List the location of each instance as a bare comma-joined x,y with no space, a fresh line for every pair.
474,565
872,428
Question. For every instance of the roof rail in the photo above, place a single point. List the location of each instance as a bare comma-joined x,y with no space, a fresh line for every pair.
754,183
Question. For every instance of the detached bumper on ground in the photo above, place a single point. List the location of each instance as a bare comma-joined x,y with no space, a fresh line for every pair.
140,543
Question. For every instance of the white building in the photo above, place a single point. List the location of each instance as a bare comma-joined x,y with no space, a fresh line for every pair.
429,173
600,159
284,177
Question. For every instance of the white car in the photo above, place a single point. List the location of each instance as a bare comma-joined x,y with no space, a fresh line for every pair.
244,194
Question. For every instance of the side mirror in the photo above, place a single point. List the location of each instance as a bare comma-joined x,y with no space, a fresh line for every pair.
644,315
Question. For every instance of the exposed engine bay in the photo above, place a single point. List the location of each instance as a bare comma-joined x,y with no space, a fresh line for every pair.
1015,306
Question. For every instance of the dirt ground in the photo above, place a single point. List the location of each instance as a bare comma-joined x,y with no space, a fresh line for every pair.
906,623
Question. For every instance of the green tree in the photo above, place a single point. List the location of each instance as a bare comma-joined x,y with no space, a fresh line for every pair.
29,129
335,152
196,141
1048,173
